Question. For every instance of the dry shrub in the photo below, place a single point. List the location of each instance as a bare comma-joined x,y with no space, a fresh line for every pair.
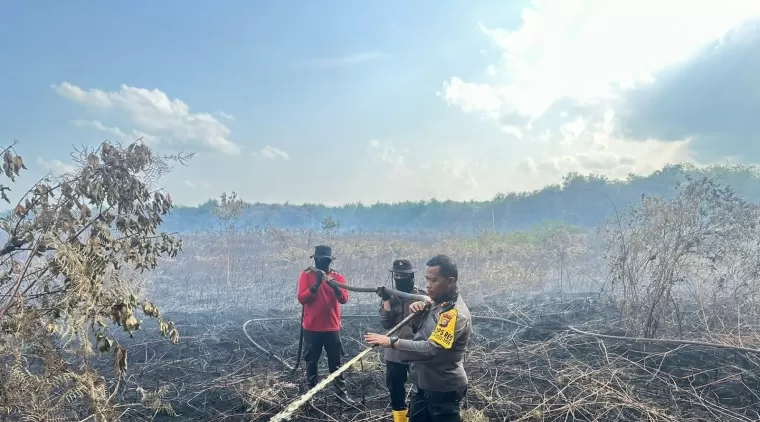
155,400
68,280
265,394
695,253
371,362
473,415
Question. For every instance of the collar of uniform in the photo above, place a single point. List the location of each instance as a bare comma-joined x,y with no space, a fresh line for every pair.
450,301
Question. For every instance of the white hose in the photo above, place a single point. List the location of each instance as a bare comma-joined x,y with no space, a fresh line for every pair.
290,367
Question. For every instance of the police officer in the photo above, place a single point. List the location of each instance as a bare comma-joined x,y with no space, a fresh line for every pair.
439,381
392,311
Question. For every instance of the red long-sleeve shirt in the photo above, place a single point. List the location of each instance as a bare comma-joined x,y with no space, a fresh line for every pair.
321,310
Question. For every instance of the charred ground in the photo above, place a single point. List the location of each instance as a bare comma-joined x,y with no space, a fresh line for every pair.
539,371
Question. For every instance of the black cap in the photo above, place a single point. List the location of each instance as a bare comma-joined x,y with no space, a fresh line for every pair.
322,251
403,266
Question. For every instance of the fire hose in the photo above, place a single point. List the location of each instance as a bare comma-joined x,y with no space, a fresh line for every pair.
356,316
333,283
390,291
376,290
267,352
300,339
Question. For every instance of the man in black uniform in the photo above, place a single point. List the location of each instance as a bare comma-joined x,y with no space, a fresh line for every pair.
392,311
439,381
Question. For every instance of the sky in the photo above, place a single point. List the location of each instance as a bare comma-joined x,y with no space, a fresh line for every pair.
344,101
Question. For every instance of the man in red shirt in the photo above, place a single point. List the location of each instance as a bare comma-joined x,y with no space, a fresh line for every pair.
321,318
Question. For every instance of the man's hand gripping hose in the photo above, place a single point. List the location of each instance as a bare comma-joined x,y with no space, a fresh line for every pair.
376,290
288,412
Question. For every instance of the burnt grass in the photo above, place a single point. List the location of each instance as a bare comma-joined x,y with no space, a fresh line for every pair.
538,372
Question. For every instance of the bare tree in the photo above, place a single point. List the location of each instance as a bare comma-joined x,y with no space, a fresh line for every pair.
661,248
227,211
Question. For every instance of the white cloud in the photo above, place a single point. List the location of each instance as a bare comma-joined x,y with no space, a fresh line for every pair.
119,135
56,167
560,76
390,172
584,49
97,124
226,115
152,112
190,183
272,153
387,152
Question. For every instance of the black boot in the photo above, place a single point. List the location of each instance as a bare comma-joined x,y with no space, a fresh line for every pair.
343,397
339,384
334,349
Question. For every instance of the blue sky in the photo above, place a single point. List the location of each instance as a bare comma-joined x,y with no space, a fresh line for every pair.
383,101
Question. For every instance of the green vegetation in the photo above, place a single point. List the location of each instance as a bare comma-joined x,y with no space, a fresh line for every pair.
536,235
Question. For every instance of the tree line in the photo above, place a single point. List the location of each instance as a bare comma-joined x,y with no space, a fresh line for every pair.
579,200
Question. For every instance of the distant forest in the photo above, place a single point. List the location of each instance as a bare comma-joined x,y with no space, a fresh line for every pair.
583,201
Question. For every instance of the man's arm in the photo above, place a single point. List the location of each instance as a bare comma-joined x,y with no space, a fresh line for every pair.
388,318
305,295
341,294
416,321
444,335
416,350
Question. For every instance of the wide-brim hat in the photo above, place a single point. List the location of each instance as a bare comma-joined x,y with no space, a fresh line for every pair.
403,266
322,251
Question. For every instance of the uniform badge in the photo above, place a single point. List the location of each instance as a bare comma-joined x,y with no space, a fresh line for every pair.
444,320
443,333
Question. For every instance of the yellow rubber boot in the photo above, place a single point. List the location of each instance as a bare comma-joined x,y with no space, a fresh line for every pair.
400,416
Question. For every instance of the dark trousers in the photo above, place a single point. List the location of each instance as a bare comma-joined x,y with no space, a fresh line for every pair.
314,341
434,406
395,379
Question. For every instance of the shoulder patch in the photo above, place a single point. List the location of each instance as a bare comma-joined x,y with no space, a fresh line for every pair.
443,333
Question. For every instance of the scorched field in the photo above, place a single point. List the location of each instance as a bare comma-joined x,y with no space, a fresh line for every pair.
556,337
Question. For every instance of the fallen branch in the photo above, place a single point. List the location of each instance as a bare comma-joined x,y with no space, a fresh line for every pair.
267,352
